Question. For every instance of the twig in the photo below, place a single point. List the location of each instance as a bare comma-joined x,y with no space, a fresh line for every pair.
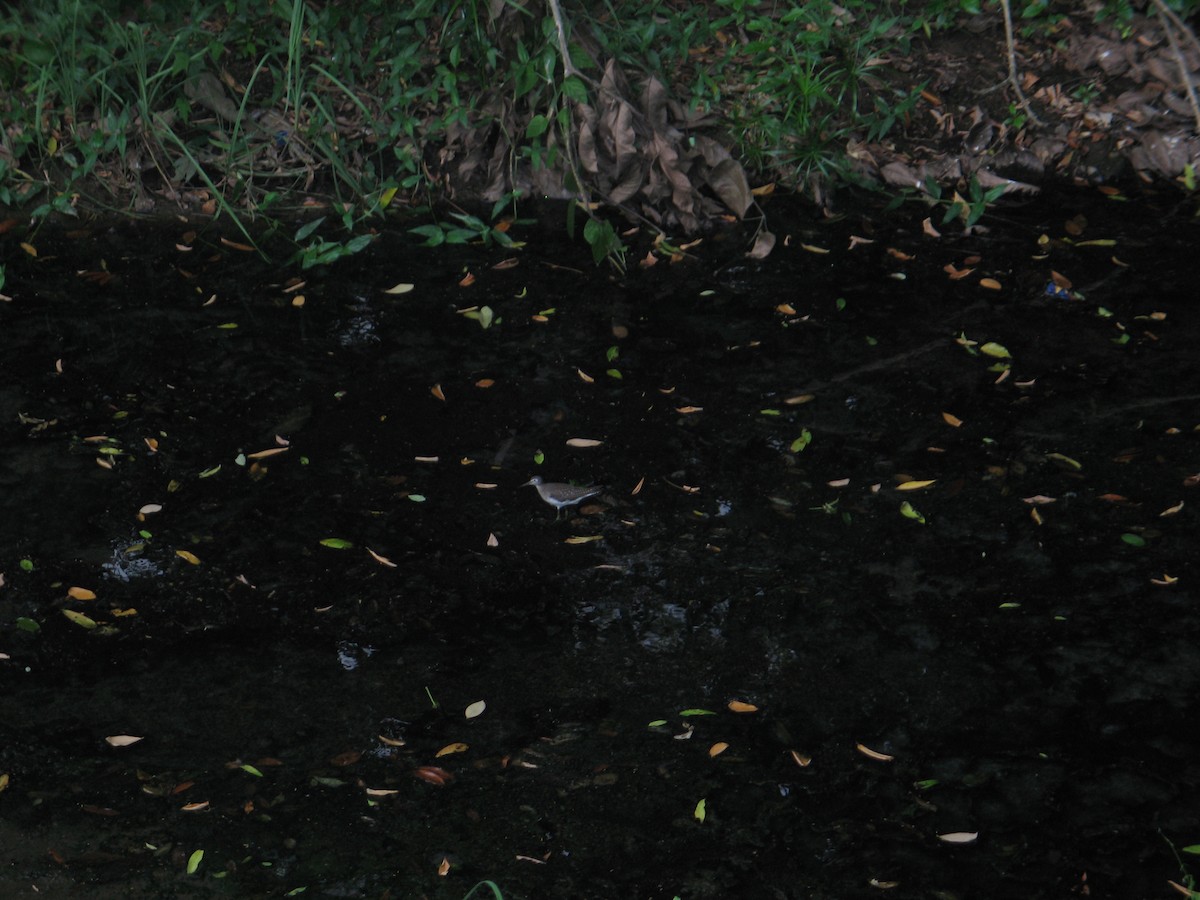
1010,43
1170,23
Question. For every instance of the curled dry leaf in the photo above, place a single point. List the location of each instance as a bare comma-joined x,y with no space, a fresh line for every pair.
800,759
382,560
959,837
585,377
122,740
199,806
928,229
718,748
444,866
434,775
873,754
583,442
763,245
436,390
456,747
637,488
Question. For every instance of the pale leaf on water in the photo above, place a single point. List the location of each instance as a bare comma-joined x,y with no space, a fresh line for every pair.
913,485
122,740
583,442
873,754
718,748
475,709
958,837
402,287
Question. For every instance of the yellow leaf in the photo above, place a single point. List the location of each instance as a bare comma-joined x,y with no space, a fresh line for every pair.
998,351
739,706
718,748
78,593
29,248
914,485
800,759
873,754
456,747
583,539
952,420
990,283
79,619
188,556
401,288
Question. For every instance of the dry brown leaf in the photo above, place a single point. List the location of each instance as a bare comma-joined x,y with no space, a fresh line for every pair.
234,245
637,488
952,420
198,806
718,748
444,866
800,759
687,410
263,454
763,245
382,560
786,308
990,283
798,399
511,263
485,383
873,754
467,280
456,747
436,390
956,274
899,254
740,706
929,230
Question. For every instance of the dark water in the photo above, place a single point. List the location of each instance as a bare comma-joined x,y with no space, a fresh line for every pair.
1015,658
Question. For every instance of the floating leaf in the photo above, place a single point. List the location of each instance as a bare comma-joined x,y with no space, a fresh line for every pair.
914,485
800,759
382,560
873,754
250,770
1065,461
952,420
475,709
959,837
998,351
700,811
456,747
402,287
79,593
27,624
583,442
122,740
584,538
718,748
907,510
801,442
697,712
739,706
1133,540
188,556
79,619
194,861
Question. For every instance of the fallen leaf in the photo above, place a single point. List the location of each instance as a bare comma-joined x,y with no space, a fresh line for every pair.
188,556
585,377
1038,500
583,442
194,807
122,740
1165,580
402,287
492,540
914,485
739,706
812,248
433,775
800,759
444,866
997,351
873,754
1172,510
637,488
436,390
958,837
456,747
475,709
718,748
990,283
263,454
382,560
78,593
583,539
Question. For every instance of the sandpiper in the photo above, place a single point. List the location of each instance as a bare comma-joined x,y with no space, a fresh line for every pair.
558,494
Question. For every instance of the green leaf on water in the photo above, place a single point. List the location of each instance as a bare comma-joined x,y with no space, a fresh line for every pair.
79,619
697,712
1122,340
700,811
337,543
612,353
538,458
417,498
27,624
1134,540
26,565
614,373
907,510
194,861
227,326
1066,461
998,351
926,784
657,723
769,412
208,473
803,441
840,303
1193,849
1011,604
250,770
